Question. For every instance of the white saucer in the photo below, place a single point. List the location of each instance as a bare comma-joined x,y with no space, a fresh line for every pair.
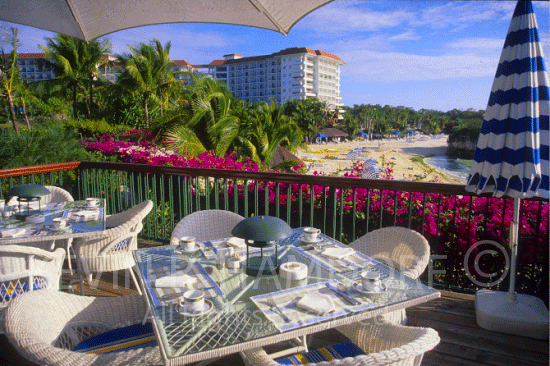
52,228
378,290
303,238
179,250
208,306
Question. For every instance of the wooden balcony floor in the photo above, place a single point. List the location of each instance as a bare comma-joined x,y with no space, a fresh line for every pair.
463,342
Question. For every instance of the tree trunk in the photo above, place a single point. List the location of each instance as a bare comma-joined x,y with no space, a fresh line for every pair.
12,113
74,102
25,115
145,99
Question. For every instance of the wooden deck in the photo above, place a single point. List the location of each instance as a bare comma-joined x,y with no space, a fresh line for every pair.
463,342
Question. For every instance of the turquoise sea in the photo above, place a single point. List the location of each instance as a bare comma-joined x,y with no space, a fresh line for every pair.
456,168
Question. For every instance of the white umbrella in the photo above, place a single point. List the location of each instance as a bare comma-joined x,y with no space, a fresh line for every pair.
511,159
87,19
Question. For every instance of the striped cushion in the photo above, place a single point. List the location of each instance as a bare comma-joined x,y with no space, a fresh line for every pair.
334,352
120,339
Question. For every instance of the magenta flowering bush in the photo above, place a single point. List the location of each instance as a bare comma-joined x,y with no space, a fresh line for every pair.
453,225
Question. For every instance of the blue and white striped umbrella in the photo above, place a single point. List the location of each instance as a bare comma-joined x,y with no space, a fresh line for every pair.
511,157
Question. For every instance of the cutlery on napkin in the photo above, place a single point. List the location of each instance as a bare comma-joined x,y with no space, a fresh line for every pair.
337,253
12,233
316,303
237,243
86,214
176,279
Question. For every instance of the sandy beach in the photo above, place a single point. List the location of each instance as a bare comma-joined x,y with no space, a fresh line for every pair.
396,154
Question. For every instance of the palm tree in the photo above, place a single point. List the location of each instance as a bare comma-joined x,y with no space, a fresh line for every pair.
147,71
268,128
204,121
75,62
9,72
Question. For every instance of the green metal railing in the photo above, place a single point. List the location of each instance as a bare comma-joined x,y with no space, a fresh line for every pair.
343,208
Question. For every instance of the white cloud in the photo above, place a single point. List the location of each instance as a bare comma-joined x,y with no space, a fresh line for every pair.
349,17
406,36
370,64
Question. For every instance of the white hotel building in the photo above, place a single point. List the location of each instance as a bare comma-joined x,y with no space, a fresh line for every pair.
293,73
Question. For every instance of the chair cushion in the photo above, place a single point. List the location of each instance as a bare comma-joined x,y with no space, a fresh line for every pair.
120,339
334,352
10,289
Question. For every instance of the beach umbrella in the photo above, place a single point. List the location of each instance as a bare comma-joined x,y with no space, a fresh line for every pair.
321,136
511,159
409,133
396,133
361,134
88,20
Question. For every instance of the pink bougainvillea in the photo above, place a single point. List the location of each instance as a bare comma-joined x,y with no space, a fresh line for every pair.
452,224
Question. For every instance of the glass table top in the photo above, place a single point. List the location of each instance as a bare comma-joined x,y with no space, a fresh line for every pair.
81,220
240,310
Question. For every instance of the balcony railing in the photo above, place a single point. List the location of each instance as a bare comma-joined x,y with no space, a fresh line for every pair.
342,207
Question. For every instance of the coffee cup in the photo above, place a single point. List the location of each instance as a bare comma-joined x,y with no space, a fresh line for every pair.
311,233
92,202
370,280
187,243
59,223
193,301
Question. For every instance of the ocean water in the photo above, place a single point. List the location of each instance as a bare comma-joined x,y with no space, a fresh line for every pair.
456,168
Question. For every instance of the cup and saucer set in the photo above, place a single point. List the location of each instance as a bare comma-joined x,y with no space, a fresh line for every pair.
194,304
310,235
370,284
187,245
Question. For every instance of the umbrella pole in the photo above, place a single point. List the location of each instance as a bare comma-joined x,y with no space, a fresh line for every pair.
514,231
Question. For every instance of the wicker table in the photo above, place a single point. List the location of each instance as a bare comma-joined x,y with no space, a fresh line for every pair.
79,227
239,320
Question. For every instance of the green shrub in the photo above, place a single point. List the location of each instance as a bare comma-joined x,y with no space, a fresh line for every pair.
48,144
94,128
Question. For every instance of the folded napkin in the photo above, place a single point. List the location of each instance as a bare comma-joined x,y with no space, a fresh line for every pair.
86,214
12,233
35,219
316,303
236,243
176,279
337,253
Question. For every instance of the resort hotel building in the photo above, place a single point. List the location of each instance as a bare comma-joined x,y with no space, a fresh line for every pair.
293,73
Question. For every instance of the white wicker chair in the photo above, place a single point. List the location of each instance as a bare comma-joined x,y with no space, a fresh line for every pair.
57,194
384,344
400,248
44,326
113,250
206,225
21,266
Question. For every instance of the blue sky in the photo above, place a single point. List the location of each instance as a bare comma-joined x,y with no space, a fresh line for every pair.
420,54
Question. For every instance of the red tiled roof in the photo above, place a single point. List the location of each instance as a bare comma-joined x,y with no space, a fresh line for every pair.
286,51
30,55
182,62
219,62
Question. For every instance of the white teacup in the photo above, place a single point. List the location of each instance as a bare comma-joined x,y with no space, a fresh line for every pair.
311,233
193,301
92,202
370,280
59,222
187,243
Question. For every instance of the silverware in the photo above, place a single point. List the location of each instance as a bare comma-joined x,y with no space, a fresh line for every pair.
271,302
344,295
178,294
